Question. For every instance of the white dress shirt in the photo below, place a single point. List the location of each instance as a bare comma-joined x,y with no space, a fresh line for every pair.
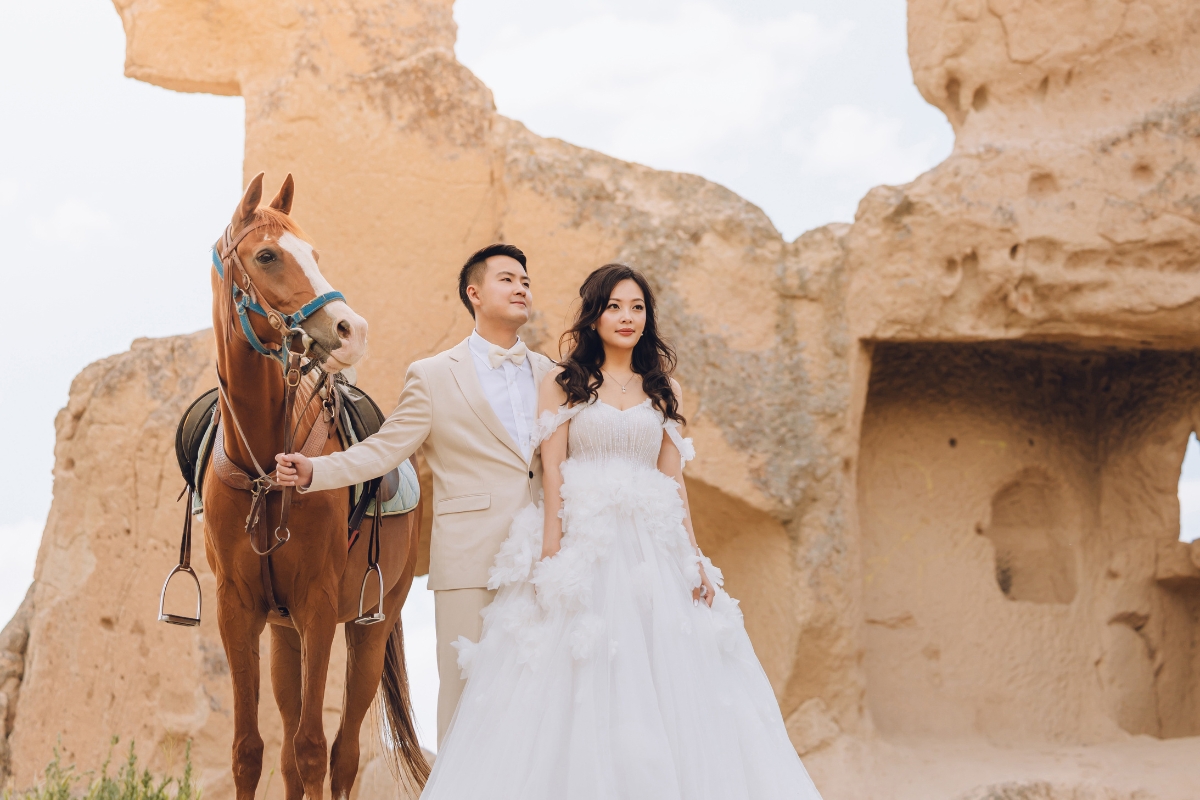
509,390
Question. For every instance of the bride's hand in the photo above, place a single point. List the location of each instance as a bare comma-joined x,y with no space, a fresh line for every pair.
704,591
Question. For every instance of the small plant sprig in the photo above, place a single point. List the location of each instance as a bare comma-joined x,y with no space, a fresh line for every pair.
130,783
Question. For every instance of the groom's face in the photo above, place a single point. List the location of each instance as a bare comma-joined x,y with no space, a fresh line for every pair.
502,293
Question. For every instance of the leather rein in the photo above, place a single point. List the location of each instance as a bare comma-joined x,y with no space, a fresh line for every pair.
246,300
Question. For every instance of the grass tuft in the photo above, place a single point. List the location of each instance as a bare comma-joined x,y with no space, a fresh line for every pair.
64,783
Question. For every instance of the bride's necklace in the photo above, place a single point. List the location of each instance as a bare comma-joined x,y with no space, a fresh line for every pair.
617,382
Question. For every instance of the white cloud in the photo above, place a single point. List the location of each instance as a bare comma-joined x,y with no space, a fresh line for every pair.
8,193
655,90
19,542
850,143
71,221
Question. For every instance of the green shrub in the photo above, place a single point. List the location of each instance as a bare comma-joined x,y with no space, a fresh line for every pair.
63,783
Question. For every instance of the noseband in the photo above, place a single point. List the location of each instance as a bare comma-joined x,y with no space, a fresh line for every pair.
249,299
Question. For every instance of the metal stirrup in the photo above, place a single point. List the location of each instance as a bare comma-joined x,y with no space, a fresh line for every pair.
364,618
185,566
179,619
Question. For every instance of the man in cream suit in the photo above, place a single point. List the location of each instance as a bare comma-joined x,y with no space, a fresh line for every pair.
472,409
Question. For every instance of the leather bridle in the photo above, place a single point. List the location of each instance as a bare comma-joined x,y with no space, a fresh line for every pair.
248,300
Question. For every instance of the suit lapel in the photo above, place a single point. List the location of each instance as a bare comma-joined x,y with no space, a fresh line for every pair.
462,366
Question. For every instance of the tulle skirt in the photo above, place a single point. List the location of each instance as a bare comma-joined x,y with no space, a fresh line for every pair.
597,677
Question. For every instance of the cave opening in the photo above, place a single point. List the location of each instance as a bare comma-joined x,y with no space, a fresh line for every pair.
1027,582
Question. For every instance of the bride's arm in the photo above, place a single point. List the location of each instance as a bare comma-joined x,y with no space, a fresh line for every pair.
551,397
670,463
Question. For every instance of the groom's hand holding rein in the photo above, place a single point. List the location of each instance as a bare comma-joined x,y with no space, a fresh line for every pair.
294,469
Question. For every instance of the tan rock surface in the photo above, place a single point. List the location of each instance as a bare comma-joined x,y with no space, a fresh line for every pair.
938,447
14,642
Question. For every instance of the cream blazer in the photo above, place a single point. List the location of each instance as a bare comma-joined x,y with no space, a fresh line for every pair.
481,478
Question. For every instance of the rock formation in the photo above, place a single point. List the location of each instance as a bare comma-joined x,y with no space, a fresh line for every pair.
14,639
938,447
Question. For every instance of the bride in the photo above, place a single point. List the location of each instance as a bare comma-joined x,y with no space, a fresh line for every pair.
612,664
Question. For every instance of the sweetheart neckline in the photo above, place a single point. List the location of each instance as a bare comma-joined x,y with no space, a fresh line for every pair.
623,410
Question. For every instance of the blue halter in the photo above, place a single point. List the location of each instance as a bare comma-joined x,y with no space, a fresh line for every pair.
243,302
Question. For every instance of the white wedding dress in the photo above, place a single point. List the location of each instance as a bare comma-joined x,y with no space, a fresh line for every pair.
596,677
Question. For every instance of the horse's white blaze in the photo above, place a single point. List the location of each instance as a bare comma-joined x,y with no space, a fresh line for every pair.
302,251
348,326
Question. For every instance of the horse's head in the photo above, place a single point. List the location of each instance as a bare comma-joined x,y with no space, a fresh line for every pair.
281,265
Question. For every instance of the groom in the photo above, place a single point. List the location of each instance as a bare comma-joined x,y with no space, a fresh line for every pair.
473,409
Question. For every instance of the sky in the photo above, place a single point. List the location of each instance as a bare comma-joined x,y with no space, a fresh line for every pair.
112,191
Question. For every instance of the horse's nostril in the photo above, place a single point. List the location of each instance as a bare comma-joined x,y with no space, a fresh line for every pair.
343,329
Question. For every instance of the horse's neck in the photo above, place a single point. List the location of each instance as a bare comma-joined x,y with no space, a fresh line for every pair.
254,385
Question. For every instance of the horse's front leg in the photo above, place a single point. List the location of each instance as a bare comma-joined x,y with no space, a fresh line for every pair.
316,629
241,626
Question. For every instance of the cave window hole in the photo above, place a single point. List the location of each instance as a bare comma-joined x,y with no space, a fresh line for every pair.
1189,492
979,100
1035,560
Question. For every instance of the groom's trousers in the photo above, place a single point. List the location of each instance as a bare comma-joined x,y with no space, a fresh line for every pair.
456,613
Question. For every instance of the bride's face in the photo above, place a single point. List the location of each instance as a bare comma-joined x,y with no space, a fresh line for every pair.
624,317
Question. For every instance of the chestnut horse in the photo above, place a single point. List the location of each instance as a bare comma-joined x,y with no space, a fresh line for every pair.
312,583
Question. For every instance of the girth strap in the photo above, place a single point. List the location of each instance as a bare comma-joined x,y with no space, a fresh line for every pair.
268,582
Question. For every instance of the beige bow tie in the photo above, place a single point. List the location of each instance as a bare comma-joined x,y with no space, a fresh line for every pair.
498,355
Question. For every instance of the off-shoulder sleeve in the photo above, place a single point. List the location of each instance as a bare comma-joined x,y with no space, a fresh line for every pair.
687,450
549,421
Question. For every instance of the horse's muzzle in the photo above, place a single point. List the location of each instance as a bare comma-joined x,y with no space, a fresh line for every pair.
339,336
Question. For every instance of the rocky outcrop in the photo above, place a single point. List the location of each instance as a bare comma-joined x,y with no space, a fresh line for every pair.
938,447
14,639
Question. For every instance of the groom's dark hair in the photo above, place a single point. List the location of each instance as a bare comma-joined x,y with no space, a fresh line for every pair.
473,270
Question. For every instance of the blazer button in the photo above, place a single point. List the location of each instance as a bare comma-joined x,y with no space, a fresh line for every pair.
531,474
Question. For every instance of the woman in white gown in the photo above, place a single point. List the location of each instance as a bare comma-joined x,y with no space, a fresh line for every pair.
612,664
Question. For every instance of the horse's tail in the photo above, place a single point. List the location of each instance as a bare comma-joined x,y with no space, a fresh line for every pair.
401,748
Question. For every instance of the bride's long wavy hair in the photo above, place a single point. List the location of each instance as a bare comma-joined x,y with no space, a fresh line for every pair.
653,358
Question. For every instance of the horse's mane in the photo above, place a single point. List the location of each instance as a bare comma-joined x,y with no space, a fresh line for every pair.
277,222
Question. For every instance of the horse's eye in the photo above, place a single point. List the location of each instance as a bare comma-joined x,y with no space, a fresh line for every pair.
265,257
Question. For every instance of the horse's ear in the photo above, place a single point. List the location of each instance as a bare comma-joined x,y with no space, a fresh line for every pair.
283,200
250,201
